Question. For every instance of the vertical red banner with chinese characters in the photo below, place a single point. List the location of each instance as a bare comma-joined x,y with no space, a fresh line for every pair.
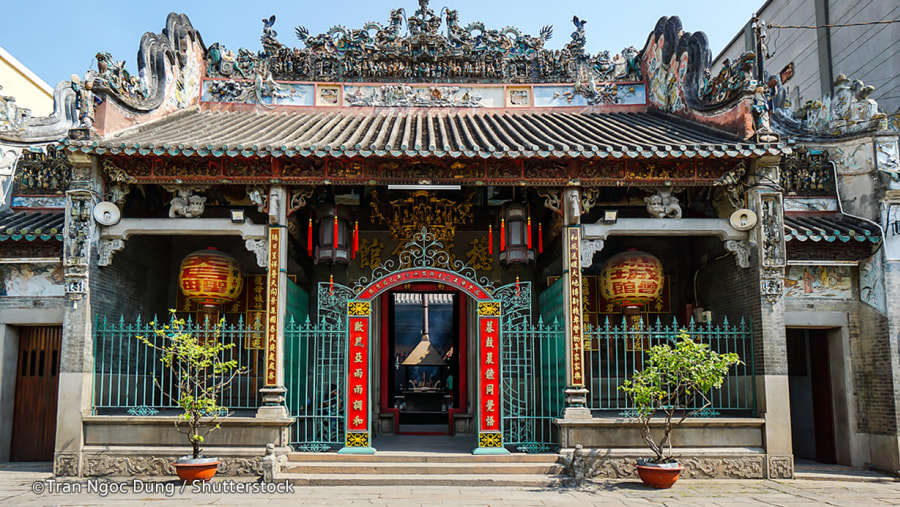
490,373
358,383
489,428
273,291
357,436
573,249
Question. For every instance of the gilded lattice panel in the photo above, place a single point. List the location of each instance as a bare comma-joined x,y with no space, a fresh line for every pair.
357,440
489,308
358,307
490,440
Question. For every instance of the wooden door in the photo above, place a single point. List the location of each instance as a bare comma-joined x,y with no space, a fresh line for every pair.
37,382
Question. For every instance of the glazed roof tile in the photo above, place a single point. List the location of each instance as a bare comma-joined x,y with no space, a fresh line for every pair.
425,133
831,228
31,225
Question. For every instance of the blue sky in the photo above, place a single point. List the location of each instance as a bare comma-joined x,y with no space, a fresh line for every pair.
56,39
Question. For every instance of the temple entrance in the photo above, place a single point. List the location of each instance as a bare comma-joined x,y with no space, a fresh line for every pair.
421,369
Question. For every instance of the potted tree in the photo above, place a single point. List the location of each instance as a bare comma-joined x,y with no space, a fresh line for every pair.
675,381
200,376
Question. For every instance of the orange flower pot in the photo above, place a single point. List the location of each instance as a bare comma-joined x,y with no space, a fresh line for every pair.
659,477
196,471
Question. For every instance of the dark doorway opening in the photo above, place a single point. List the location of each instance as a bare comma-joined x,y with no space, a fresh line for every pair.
37,386
812,406
423,368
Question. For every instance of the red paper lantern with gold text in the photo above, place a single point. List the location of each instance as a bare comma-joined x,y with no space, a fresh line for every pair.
210,277
631,278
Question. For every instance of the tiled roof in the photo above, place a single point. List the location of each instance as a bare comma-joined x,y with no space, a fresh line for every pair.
426,133
830,228
31,225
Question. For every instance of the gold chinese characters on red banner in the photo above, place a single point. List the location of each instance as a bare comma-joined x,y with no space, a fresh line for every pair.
273,290
358,378
489,330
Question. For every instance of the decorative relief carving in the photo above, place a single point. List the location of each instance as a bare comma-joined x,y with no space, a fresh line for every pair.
738,467
772,230
66,465
187,202
106,248
260,247
79,230
663,204
772,283
588,248
106,465
741,251
781,467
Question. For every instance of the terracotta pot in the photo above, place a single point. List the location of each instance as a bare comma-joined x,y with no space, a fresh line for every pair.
190,470
659,477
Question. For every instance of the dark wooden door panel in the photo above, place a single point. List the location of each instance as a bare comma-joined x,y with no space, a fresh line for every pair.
37,383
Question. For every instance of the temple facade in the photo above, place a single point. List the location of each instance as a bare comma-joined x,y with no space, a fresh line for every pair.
431,227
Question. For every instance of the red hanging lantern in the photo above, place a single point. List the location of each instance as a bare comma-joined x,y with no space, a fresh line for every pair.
502,234
309,237
335,235
540,238
210,277
490,239
631,278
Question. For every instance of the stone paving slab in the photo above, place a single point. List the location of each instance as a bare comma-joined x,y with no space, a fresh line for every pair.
17,486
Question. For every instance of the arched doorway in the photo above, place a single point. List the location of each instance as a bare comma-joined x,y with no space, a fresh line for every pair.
426,271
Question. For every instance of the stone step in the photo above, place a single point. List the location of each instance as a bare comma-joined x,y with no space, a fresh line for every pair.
427,468
412,457
471,480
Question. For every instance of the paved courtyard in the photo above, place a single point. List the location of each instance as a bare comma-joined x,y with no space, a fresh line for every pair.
34,485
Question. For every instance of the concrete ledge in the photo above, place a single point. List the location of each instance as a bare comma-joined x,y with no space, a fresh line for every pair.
720,227
128,227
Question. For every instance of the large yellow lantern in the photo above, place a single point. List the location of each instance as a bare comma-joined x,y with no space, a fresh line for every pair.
210,277
631,278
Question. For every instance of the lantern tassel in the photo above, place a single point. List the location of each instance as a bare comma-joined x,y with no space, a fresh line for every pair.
517,284
503,234
331,283
309,238
540,238
334,238
529,232
355,240
490,239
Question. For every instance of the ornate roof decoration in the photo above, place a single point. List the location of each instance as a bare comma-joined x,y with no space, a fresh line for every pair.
165,60
18,126
31,225
847,111
423,53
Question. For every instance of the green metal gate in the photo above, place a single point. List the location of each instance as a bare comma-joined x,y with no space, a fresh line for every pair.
533,366
315,355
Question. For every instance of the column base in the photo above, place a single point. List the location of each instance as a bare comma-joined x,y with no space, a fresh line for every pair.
357,450
489,450
273,403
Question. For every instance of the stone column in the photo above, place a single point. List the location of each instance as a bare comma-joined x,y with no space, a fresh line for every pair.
884,450
576,394
76,363
770,348
276,306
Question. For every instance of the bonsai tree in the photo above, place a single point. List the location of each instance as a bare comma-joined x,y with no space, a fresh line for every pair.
673,381
201,376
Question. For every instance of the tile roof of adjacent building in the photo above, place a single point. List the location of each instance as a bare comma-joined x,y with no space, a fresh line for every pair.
830,228
426,133
31,225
